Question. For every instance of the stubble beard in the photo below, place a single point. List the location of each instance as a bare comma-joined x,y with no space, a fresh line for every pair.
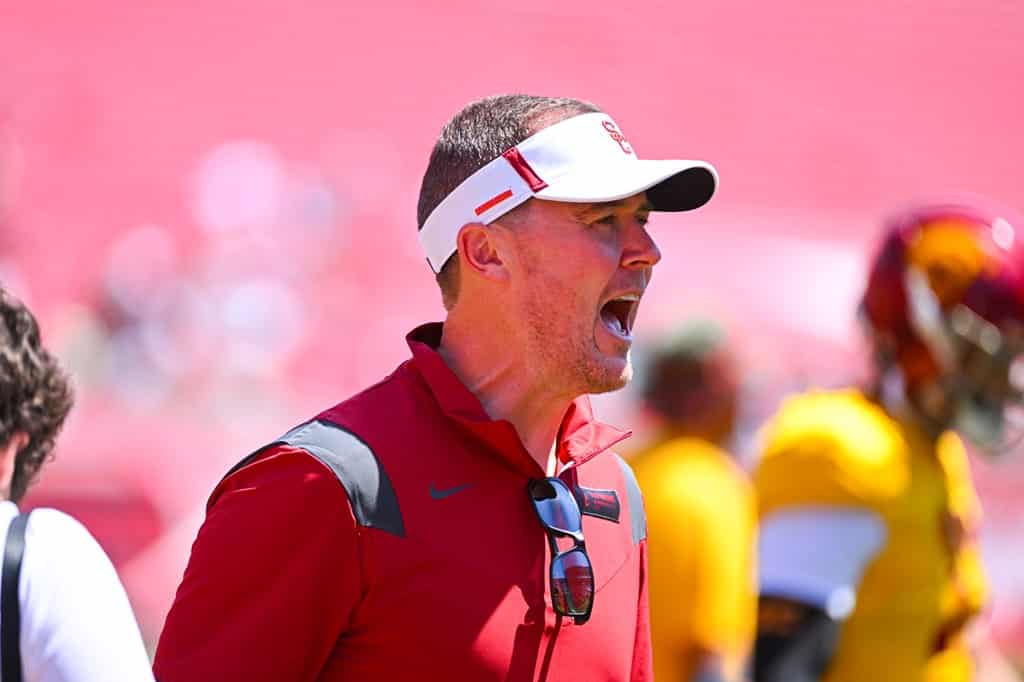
568,359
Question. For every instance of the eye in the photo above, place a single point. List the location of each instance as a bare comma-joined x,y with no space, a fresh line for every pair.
609,219
644,218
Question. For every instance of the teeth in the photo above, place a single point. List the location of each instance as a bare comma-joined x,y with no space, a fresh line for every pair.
629,297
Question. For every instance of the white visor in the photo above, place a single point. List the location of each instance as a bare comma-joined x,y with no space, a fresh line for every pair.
582,159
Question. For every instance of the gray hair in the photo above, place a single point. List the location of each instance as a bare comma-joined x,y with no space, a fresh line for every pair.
474,137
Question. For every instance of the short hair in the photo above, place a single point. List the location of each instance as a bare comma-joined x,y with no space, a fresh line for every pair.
474,137
35,393
684,373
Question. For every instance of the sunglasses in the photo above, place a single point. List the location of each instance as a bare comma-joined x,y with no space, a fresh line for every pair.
572,577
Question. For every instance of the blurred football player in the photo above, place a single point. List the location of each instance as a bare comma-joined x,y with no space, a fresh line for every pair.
700,512
869,562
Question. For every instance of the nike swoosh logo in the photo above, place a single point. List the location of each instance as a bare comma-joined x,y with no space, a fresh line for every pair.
441,494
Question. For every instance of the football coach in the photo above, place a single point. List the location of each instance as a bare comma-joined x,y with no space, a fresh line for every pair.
464,518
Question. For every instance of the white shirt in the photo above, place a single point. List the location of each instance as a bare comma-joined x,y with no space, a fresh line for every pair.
817,555
76,622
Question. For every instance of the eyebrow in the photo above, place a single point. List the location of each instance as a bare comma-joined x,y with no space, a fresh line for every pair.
605,205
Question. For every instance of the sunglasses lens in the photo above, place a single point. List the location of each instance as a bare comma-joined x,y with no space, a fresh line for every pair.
556,505
572,583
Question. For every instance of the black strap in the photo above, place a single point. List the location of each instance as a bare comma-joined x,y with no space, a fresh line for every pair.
10,609
795,642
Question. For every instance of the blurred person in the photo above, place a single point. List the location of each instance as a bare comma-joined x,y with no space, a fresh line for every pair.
868,554
405,533
64,615
701,514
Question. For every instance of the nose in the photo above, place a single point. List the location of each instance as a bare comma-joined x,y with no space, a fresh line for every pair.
640,251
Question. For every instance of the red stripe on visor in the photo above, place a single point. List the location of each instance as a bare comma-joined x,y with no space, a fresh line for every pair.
492,202
521,166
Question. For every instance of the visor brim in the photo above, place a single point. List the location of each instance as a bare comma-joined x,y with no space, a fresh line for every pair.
670,185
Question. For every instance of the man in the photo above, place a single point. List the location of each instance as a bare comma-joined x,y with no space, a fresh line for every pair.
64,611
869,561
401,534
700,510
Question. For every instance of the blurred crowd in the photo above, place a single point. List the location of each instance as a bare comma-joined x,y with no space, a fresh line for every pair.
183,348
193,346
848,532
217,244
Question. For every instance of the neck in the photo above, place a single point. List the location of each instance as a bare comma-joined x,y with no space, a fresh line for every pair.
502,380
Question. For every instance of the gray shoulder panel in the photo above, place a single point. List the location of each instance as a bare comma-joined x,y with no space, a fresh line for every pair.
635,500
369,490
373,499
370,493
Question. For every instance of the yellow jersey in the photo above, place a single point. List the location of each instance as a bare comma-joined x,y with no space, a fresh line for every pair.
925,581
701,521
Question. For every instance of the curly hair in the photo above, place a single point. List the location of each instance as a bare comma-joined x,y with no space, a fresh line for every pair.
35,393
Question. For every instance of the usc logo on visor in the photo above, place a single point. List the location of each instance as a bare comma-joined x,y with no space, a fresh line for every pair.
614,133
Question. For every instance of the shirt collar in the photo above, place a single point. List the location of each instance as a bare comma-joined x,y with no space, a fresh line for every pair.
581,437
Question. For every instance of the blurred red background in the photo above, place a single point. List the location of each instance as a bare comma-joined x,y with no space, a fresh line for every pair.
212,206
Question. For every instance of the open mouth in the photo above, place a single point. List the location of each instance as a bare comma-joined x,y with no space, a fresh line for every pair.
619,314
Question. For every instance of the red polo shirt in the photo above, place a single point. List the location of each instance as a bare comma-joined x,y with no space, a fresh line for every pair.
392,538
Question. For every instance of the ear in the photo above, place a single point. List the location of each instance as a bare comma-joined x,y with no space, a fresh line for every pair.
8,453
480,251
